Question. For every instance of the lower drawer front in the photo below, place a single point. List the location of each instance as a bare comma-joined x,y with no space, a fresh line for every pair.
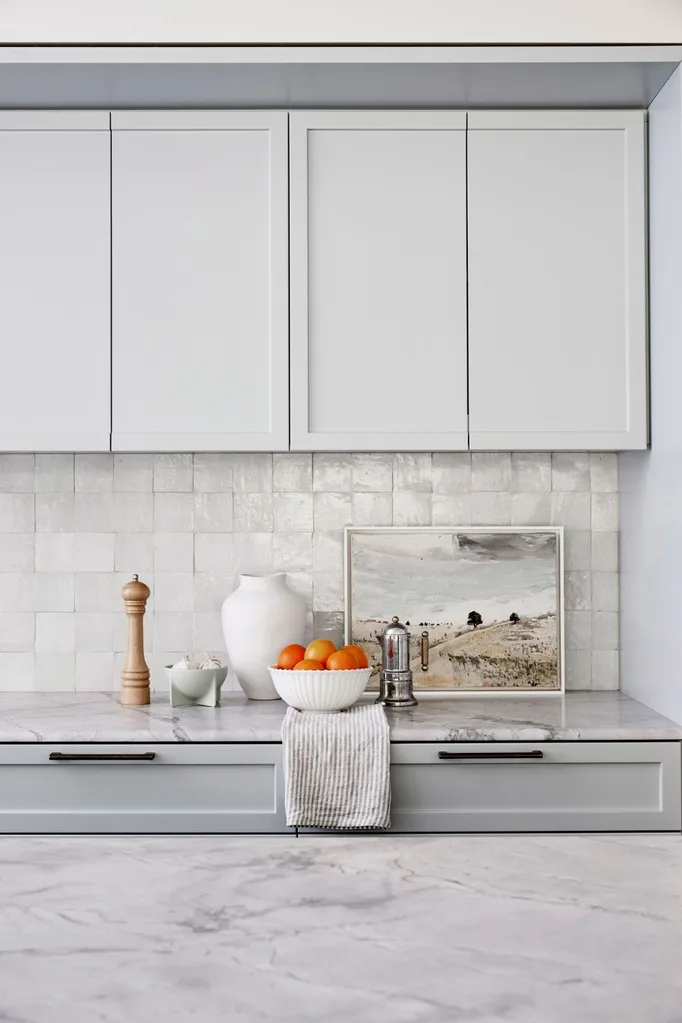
238,789
582,786
234,789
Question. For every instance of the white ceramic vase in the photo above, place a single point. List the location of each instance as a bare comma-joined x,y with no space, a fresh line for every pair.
259,618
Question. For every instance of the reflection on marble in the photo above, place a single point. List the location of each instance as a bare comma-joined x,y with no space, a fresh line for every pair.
98,717
555,929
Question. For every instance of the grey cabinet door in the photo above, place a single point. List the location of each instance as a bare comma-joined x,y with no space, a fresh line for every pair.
571,786
188,788
55,301
378,280
557,280
199,236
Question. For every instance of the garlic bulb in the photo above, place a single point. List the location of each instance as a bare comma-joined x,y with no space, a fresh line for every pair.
186,664
210,662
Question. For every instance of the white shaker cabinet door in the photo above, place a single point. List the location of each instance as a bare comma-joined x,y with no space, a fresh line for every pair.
200,264
54,281
378,280
557,280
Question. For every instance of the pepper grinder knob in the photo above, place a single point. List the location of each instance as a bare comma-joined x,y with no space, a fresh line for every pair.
135,675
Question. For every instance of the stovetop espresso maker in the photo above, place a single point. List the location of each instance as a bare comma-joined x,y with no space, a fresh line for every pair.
395,677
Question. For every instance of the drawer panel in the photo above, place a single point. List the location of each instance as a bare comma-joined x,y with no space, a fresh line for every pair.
529,788
562,787
232,789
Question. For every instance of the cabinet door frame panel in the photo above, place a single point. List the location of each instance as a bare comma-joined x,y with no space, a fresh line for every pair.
635,435
300,123
666,817
275,124
93,123
140,820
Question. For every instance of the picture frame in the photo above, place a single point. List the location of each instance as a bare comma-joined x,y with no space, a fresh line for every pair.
397,570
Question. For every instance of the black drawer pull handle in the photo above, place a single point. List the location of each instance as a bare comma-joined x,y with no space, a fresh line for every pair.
101,756
534,754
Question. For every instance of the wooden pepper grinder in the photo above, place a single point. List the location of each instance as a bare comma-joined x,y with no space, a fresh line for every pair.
135,674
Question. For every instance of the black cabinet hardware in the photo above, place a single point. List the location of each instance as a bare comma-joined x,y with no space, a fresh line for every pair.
100,756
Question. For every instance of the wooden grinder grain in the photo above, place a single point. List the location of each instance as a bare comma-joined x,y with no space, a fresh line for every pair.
135,674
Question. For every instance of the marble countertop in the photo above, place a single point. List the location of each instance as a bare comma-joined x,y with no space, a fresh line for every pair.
396,929
98,717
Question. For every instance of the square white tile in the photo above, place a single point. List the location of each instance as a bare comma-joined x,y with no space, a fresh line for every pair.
174,513
134,552
253,513
94,473
293,513
17,632
213,473
55,632
133,473
17,512
292,473
173,552
214,552
17,552
332,473
53,591
173,473
372,473
96,672
17,672
213,513
54,474
17,474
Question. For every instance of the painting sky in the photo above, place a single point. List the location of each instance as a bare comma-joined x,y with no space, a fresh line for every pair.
441,577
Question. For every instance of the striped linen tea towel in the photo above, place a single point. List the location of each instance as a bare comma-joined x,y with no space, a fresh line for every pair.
337,768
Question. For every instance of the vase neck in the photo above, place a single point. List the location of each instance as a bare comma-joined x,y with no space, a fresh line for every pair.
253,583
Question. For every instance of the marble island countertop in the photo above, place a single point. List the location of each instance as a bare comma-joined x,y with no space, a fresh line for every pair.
98,717
520,929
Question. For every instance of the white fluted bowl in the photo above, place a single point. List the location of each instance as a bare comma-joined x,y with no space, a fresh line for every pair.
320,690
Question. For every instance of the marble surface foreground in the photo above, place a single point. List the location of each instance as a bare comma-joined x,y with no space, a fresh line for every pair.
519,929
98,717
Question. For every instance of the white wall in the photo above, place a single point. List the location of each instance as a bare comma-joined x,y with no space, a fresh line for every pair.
342,21
651,482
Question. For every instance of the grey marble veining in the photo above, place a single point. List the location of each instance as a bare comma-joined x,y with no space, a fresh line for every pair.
98,717
494,929
587,716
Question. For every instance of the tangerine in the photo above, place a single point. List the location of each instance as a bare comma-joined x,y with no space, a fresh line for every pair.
308,664
290,656
319,650
359,653
342,660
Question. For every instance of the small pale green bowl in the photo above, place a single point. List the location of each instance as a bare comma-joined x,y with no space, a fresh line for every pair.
195,687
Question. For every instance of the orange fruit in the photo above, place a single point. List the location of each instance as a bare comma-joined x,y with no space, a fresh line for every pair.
319,650
359,654
291,655
342,660
308,664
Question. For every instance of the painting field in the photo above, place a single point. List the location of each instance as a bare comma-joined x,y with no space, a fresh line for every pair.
488,602
499,655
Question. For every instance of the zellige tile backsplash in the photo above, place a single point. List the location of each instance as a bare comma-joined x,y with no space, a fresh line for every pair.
73,528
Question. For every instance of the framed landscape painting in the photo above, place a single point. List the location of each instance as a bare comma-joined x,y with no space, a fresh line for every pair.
487,600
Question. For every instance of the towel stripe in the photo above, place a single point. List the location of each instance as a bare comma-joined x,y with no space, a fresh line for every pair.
337,768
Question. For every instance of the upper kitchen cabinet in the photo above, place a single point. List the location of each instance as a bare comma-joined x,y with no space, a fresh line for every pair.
200,281
378,280
54,281
557,280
